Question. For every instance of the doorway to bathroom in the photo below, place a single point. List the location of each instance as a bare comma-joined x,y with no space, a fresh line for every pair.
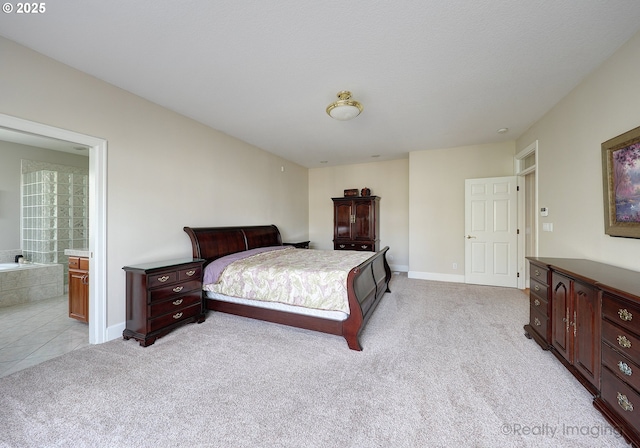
97,148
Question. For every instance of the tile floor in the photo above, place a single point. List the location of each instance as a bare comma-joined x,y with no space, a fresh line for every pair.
35,332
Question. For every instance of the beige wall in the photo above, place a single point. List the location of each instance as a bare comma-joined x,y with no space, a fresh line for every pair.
389,180
569,136
11,155
436,204
164,170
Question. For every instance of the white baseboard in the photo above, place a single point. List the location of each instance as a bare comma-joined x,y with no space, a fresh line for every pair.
115,331
436,276
399,268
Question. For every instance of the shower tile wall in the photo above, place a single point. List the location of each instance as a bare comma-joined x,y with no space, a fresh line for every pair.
55,211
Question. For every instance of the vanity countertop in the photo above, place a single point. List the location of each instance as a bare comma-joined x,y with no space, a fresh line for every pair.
77,252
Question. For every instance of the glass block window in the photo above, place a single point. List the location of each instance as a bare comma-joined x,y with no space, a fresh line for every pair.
55,211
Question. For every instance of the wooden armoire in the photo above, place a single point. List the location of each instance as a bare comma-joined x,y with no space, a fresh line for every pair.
356,223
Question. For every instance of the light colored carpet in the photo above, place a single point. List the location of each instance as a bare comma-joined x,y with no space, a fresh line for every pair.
443,365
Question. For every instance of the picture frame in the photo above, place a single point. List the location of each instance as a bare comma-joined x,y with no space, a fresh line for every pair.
621,182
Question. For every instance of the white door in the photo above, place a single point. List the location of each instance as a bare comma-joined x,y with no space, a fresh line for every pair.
491,234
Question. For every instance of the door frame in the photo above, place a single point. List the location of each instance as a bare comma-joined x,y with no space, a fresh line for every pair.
521,172
97,215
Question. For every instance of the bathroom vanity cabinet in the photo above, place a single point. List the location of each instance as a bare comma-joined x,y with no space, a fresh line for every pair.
79,288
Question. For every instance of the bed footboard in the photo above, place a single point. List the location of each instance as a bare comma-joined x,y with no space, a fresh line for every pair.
366,284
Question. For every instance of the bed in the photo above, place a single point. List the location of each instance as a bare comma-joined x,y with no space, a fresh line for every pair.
366,283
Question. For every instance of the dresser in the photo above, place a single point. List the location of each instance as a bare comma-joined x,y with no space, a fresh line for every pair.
356,223
593,328
162,296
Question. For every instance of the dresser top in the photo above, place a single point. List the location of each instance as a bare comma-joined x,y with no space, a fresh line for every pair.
604,276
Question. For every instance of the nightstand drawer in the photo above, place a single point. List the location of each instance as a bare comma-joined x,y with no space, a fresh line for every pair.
621,313
163,278
175,304
171,318
188,274
172,290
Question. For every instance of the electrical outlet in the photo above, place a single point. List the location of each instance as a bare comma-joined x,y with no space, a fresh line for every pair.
455,265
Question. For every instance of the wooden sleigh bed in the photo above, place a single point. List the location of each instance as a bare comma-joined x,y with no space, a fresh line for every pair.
366,283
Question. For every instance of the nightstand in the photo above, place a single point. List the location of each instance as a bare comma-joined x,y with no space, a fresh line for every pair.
162,296
300,245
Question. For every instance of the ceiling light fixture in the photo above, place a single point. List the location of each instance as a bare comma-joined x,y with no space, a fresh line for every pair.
503,130
345,108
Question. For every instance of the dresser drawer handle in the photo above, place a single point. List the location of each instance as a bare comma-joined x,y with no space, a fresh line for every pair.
178,288
536,302
537,288
177,315
190,273
624,368
177,302
624,342
537,273
163,279
537,321
625,315
624,402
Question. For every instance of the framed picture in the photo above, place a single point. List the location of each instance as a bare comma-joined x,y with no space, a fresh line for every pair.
621,178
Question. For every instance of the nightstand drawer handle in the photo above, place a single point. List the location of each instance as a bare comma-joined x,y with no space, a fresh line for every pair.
624,342
342,246
625,315
537,288
624,368
536,321
624,402
177,315
190,273
177,302
536,302
178,288
163,279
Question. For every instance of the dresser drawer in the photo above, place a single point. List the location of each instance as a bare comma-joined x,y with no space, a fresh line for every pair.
539,273
175,304
175,289
538,289
620,312
621,398
539,304
622,366
539,322
163,278
623,340
171,318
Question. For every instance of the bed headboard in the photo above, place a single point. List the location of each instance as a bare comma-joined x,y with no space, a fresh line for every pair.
215,242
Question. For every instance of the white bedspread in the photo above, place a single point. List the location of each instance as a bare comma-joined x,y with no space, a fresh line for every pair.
301,277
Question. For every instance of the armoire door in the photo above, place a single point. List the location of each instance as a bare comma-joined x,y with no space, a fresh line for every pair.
363,226
342,220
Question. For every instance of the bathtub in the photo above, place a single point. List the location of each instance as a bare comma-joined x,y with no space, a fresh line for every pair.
24,283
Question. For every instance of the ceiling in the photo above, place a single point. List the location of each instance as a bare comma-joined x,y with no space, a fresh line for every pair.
429,73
